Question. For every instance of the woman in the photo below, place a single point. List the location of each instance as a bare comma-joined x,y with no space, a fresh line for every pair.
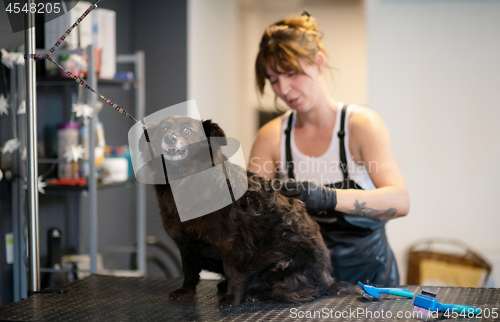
338,156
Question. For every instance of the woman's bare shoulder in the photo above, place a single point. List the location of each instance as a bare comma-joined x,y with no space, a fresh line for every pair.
362,117
366,127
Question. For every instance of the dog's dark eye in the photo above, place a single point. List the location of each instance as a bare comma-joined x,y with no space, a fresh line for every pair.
188,130
165,129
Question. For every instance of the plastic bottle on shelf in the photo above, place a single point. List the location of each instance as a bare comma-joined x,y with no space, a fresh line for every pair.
67,140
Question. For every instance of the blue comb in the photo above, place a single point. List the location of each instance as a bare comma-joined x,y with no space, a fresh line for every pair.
427,304
371,292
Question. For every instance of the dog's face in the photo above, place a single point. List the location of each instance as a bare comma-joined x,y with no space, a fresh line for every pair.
176,134
175,137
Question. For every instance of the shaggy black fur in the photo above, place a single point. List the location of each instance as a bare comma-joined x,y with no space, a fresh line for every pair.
265,244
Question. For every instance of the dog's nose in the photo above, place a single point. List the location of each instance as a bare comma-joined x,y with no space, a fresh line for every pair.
171,139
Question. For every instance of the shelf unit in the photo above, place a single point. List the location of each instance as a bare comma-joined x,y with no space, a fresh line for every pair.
19,192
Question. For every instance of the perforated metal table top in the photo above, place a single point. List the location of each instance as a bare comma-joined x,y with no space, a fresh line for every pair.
107,298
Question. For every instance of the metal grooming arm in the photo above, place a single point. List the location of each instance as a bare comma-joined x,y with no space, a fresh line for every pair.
32,184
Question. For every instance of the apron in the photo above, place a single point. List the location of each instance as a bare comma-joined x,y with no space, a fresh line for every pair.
358,246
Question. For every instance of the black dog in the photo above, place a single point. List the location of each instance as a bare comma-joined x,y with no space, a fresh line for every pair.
265,244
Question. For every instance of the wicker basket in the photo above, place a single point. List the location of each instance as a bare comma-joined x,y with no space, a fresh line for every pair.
465,268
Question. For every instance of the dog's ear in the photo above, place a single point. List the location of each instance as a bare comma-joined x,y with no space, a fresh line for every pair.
214,130
143,142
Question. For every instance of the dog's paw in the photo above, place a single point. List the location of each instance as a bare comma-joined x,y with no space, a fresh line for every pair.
228,300
182,295
255,296
342,288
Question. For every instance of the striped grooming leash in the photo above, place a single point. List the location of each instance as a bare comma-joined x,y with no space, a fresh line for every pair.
71,75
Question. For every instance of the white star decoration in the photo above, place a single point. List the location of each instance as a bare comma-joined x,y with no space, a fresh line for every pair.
9,59
10,146
4,105
82,110
22,108
74,154
41,185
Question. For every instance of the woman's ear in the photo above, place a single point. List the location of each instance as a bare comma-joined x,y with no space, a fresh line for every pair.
320,60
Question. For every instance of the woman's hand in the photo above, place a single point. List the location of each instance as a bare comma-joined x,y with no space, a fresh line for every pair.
316,198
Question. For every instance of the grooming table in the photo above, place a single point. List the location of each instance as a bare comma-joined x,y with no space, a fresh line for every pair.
108,298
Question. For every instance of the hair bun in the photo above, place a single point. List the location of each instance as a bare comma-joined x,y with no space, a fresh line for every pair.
304,23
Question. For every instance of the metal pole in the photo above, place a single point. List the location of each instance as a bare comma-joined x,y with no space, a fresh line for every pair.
16,227
92,180
18,192
140,97
31,115
21,193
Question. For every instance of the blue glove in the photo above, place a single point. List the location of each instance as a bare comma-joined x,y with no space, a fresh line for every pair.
315,197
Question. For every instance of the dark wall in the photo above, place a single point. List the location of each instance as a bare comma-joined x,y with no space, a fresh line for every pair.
160,29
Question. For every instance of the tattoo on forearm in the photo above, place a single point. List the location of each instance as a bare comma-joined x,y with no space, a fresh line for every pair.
378,215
